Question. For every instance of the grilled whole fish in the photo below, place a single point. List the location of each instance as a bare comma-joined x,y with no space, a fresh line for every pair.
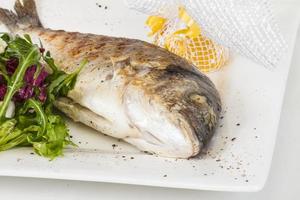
130,89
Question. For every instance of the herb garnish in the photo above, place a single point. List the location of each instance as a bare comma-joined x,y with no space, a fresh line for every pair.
30,79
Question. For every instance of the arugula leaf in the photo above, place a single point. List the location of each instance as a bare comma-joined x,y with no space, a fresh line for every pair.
47,133
65,82
61,83
5,37
50,135
10,136
40,118
54,140
50,61
4,75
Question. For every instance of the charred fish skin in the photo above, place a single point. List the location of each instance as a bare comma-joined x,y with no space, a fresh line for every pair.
130,89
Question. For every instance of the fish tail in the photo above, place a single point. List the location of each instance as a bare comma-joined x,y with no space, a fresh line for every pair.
25,16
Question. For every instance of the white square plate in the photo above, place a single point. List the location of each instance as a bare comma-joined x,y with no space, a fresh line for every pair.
237,159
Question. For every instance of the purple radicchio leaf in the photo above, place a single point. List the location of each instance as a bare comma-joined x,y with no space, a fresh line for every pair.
39,81
11,65
29,75
43,94
27,91
3,89
24,93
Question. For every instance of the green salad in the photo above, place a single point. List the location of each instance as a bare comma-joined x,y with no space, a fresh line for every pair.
30,82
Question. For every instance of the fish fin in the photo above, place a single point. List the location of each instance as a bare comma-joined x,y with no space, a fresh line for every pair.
26,16
9,19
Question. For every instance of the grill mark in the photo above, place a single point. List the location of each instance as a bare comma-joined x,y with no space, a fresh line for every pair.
52,36
99,45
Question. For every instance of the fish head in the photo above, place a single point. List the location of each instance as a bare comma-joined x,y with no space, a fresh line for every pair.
175,110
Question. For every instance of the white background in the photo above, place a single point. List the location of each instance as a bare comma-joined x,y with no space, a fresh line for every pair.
283,182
